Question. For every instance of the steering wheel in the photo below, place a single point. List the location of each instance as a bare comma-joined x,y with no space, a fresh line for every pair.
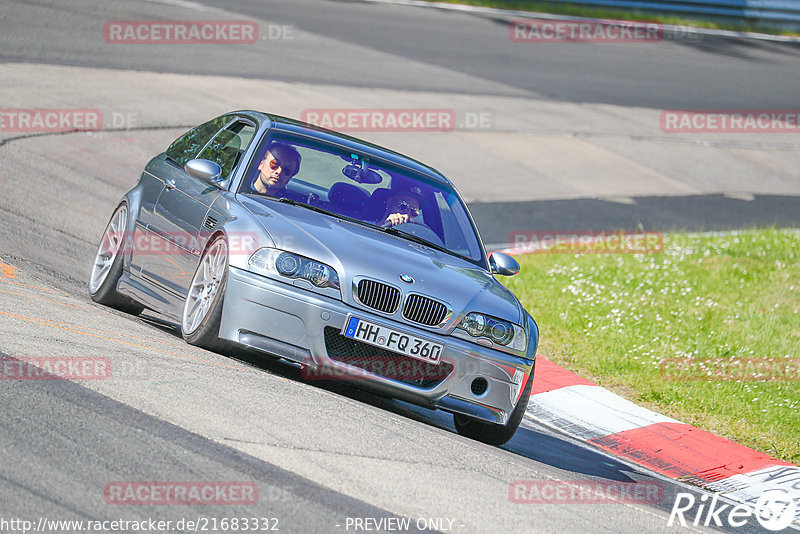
421,230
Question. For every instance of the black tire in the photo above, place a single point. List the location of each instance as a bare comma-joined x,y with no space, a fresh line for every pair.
492,433
106,292
206,334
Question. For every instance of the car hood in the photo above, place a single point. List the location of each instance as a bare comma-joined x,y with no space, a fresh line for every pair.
356,250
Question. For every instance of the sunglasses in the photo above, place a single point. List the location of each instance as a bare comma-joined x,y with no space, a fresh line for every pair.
405,207
274,164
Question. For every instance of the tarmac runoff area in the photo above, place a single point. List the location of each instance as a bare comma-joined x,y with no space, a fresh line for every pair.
495,149
523,164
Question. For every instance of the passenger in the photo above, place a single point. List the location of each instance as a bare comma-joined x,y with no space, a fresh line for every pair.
281,162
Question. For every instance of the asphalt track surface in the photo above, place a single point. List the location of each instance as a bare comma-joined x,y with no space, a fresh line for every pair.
319,453
374,45
694,73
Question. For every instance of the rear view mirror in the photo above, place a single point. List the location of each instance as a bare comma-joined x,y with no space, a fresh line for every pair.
362,176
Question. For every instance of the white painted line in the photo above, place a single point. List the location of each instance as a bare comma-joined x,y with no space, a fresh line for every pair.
591,411
183,3
691,30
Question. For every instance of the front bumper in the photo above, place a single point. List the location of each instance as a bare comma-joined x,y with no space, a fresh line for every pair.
289,321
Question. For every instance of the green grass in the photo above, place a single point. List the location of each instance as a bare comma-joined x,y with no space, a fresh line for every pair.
615,318
618,14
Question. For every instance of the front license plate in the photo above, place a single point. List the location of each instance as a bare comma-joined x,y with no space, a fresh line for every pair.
390,339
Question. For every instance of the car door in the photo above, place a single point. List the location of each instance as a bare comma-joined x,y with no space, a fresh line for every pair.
183,207
148,241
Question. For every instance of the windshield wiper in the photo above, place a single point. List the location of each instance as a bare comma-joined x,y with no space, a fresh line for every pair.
416,239
323,211
308,206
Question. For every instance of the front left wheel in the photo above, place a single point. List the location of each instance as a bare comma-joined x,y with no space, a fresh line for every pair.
202,311
492,433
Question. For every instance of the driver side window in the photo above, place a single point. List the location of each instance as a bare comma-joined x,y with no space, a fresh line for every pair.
189,144
228,145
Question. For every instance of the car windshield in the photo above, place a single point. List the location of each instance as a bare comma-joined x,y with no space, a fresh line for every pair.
373,192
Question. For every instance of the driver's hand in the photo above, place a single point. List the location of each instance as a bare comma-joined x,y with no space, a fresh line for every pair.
396,218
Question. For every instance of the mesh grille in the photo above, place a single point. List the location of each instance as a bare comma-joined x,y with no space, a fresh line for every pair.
424,310
384,362
479,386
376,295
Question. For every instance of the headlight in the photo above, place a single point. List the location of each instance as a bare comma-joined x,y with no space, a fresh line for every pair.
474,324
320,274
288,264
477,326
293,266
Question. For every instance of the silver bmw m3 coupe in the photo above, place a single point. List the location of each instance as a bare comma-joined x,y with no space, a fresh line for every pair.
338,256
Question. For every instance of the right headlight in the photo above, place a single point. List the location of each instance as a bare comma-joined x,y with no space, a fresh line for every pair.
476,326
293,266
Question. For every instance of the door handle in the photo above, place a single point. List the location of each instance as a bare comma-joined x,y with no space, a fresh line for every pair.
169,183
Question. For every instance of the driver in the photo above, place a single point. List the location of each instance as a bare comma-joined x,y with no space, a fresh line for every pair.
402,207
281,162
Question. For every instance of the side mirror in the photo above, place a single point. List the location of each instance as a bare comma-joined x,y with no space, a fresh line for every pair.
204,170
503,264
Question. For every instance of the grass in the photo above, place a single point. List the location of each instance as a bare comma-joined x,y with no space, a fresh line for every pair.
619,14
629,321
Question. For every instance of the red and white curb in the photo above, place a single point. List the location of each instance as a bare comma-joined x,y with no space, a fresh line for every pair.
592,414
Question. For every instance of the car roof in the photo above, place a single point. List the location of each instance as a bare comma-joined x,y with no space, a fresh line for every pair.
287,124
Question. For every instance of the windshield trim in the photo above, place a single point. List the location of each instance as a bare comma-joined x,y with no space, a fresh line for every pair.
374,157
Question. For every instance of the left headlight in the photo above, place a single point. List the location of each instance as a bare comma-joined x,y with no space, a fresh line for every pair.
476,326
293,266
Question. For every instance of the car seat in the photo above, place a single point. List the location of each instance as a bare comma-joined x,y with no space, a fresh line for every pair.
348,200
